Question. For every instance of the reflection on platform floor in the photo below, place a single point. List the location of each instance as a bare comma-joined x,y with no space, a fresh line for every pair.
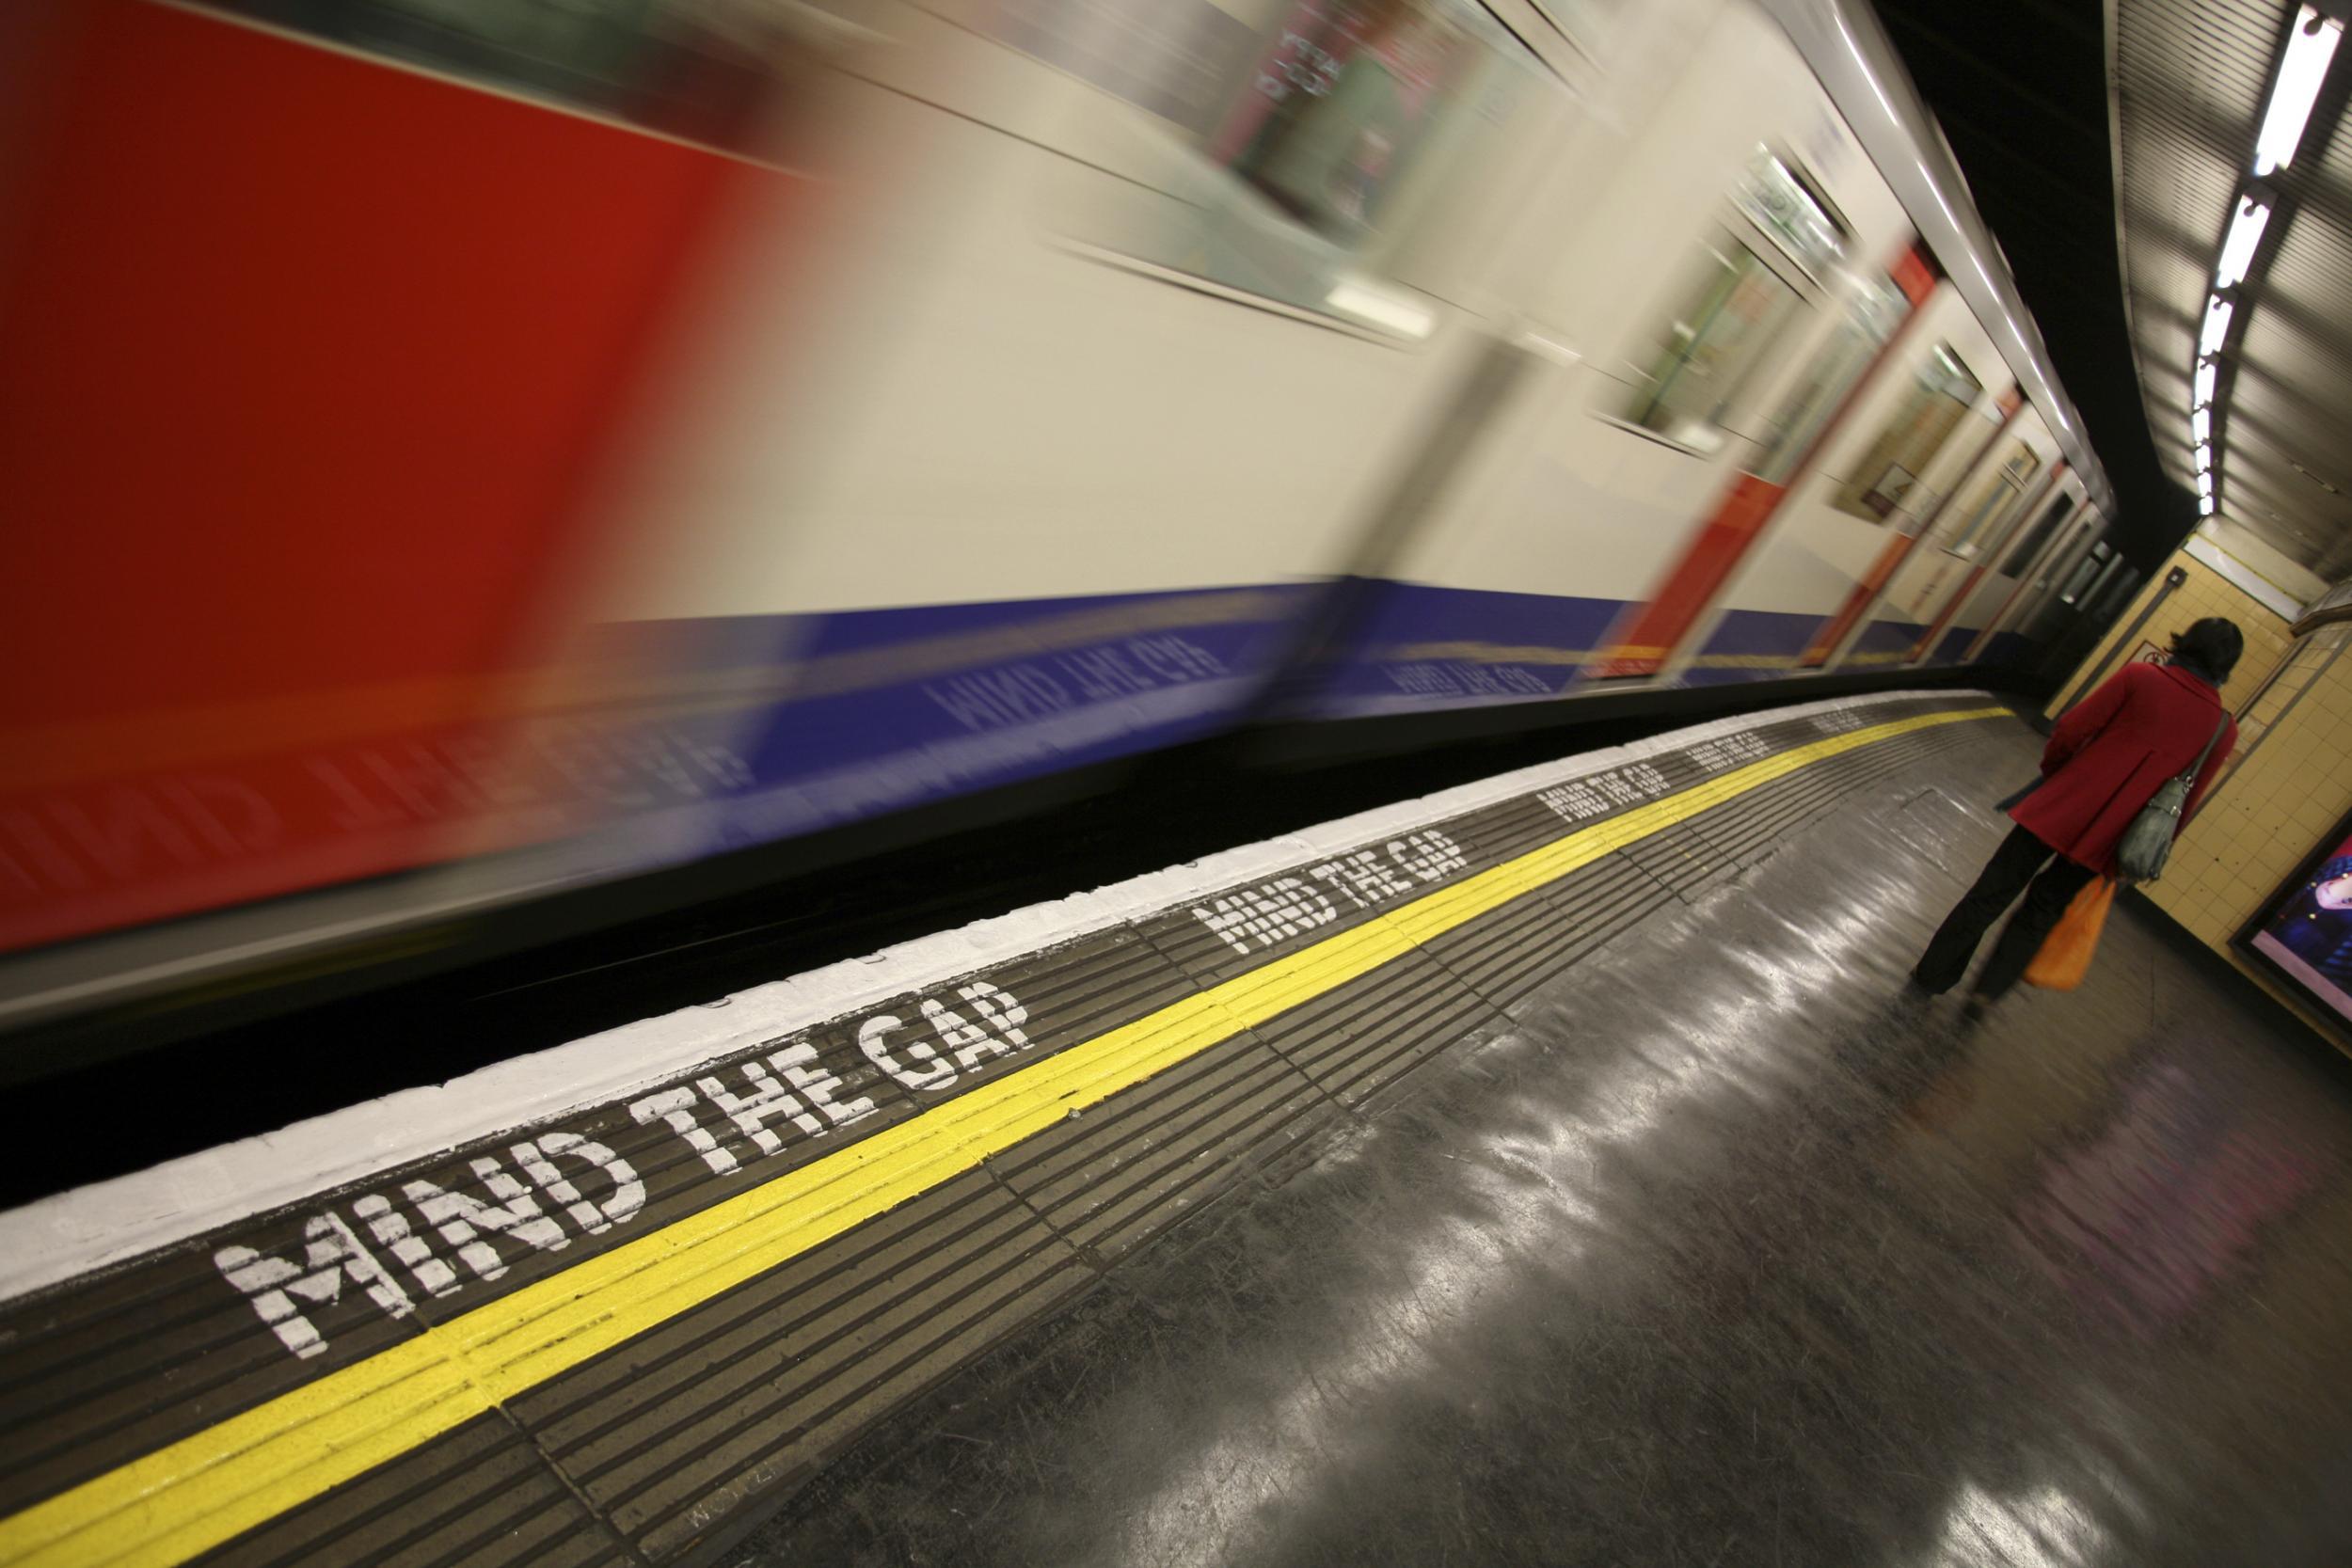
1717,1250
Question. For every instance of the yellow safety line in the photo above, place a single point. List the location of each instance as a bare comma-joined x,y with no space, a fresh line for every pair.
180,1501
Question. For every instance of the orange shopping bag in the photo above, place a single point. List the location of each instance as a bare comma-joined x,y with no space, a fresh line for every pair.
2065,956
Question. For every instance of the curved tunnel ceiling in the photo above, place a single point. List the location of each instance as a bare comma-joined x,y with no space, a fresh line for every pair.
2190,82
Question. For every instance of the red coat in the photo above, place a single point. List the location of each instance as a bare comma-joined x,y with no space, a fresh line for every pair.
2113,750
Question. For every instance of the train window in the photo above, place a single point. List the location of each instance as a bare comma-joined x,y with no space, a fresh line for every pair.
1304,145
2036,537
1727,312
1784,204
1930,409
1873,310
1996,495
1336,114
691,68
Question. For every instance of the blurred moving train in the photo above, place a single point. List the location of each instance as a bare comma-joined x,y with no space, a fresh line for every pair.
464,450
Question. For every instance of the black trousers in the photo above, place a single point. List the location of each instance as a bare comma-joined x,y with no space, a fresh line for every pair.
2023,864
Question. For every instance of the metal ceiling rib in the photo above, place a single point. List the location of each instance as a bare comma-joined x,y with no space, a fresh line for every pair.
2188,79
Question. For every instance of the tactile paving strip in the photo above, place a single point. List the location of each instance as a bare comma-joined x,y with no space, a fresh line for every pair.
483,1497
608,1336
667,1434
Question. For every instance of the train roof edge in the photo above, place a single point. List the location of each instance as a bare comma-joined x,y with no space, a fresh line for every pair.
1850,51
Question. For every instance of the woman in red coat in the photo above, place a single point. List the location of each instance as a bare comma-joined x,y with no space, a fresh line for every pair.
2107,758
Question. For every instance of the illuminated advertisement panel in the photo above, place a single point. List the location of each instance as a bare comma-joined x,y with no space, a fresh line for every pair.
2303,934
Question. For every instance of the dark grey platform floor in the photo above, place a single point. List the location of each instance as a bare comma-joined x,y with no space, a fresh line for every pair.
1724,1252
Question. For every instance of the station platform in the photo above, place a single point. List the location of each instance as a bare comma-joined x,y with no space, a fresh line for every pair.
1550,1171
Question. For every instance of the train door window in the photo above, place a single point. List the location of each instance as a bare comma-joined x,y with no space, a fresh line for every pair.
2040,534
2058,562
1998,492
1733,303
1930,409
1293,141
2087,573
2095,596
1729,310
1874,308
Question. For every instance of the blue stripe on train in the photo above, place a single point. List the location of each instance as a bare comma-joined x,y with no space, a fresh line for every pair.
876,710
1883,646
794,723
1414,647
1753,646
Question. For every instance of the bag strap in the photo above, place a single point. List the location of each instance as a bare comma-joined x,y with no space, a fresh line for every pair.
2198,767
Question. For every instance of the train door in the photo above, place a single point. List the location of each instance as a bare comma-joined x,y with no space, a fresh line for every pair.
1648,636
1846,515
2067,626
1986,480
1974,559
1941,384
2038,615
2021,562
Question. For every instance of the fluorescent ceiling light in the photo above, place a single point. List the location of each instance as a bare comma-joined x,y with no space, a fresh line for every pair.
2310,46
2200,425
2204,484
2237,250
2204,456
2204,506
2203,391
2216,325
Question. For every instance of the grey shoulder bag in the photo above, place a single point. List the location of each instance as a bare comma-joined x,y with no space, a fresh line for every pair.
2147,844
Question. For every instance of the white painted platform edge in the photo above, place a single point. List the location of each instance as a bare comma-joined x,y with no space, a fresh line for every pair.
111,1222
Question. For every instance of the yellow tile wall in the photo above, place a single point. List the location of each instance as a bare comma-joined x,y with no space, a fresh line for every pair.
2205,593
2288,787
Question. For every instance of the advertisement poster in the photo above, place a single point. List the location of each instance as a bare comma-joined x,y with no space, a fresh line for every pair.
2304,934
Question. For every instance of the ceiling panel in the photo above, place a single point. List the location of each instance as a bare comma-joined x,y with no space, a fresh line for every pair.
2189,81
